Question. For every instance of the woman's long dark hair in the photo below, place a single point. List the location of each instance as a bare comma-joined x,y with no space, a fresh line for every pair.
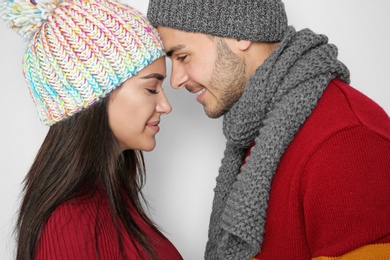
78,154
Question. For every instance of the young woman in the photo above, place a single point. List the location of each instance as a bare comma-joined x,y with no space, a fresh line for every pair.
95,70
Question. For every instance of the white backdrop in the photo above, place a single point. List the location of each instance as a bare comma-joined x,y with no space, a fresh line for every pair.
182,169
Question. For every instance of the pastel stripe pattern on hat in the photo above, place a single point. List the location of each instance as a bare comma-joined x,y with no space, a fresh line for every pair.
82,51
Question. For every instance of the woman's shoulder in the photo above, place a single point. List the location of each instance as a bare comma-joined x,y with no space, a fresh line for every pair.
79,208
71,228
78,213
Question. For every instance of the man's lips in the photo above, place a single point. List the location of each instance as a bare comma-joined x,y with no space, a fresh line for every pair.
194,89
198,92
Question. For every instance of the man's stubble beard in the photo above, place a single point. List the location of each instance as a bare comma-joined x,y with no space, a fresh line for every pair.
228,76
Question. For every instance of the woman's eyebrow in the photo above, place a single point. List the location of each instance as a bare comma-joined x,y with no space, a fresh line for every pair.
157,76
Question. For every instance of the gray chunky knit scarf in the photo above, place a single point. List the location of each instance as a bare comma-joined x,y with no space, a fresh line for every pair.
277,100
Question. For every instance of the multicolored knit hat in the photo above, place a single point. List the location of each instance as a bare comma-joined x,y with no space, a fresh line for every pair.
79,50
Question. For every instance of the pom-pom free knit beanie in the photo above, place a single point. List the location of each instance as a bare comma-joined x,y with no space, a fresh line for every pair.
79,50
255,20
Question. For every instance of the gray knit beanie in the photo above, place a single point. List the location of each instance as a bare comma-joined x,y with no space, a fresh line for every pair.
255,20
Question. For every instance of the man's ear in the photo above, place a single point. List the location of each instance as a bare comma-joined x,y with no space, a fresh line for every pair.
238,46
243,45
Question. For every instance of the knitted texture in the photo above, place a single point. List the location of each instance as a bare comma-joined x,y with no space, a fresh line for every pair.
255,20
82,228
80,50
276,102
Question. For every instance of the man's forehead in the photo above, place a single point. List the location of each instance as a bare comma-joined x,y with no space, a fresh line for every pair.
173,35
175,40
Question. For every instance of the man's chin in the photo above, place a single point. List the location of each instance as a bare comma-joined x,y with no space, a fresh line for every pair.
214,114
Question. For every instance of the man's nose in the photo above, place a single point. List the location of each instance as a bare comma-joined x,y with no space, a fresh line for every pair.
178,76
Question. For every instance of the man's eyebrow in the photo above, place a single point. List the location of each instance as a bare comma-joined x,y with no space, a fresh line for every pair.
173,49
157,76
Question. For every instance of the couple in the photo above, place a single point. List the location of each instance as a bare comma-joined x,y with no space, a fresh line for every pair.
305,173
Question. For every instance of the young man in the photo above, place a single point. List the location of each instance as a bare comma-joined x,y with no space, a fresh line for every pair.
306,169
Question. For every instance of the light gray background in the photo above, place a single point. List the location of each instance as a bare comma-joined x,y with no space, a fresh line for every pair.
181,171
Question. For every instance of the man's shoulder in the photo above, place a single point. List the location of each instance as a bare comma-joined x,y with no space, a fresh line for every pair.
342,107
342,112
366,111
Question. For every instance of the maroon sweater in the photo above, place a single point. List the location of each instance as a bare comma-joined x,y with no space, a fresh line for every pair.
82,228
330,195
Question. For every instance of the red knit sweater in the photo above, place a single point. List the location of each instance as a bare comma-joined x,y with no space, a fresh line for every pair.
330,196
82,228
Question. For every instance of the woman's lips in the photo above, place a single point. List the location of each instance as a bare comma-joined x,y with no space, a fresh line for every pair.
154,126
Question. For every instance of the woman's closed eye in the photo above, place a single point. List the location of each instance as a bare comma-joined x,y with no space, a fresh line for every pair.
152,91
